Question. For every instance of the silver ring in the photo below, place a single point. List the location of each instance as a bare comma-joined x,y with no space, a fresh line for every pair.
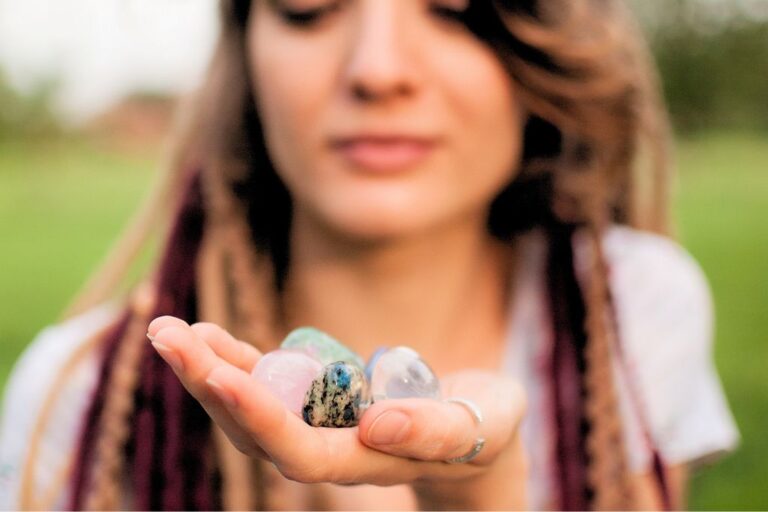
477,415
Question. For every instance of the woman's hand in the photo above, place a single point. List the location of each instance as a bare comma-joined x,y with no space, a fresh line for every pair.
397,441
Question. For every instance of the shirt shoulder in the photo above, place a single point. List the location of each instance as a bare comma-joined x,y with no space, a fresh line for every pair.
29,386
657,266
665,316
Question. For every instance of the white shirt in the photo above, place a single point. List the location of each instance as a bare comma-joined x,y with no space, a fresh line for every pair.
666,374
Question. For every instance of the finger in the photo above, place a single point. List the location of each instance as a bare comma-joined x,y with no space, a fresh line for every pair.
235,352
163,321
193,360
435,430
420,428
253,420
301,452
291,444
312,455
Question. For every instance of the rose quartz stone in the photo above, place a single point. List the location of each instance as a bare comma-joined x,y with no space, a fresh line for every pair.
288,374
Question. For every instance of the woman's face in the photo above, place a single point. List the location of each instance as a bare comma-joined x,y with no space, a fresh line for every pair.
384,118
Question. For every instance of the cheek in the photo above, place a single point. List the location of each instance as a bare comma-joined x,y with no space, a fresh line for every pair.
289,105
488,115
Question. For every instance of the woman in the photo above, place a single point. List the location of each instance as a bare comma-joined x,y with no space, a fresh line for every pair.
458,176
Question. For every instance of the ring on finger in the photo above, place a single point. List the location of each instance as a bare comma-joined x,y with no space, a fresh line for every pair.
477,416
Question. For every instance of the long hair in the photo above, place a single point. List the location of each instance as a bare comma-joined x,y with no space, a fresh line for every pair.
594,153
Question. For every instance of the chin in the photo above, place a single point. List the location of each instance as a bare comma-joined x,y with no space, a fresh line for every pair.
376,212
377,226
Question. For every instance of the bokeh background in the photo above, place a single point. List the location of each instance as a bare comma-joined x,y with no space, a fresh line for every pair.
87,95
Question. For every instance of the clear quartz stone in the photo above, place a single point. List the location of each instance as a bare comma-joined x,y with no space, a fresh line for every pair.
289,375
401,373
373,360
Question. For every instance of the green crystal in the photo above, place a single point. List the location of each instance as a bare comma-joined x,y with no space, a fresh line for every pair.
321,346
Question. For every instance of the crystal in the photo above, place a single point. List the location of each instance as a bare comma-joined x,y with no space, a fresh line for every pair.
321,346
401,373
337,397
288,374
373,360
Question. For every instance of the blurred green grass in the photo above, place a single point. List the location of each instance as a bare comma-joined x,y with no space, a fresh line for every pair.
721,207
63,202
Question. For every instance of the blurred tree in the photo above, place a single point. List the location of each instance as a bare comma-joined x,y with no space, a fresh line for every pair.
26,116
713,58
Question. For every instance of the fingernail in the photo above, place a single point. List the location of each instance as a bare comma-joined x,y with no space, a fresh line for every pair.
169,355
151,338
390,427
222,393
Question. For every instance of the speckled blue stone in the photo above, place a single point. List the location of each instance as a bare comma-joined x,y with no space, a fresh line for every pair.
337,397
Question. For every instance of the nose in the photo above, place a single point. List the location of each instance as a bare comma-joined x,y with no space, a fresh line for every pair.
380,65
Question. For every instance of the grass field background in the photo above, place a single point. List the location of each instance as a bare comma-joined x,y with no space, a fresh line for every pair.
62,203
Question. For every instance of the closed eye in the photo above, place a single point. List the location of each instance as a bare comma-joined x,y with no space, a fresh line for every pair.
309,17
449,13
304,17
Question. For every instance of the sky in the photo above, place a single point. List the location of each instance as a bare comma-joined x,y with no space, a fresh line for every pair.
97,51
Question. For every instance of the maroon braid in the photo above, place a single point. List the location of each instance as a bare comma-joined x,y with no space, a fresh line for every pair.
568,365
170,448
88,432
569,389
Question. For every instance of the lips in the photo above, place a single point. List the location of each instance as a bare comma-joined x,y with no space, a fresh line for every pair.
384,153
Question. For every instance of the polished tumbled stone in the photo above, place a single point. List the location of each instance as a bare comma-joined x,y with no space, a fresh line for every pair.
321,346
373,360
288,374
401,373
337,397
